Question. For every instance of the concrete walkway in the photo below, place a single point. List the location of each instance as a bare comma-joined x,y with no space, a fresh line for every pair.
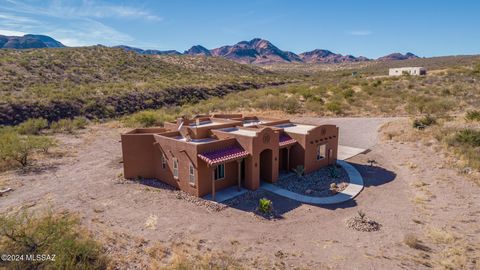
226,194
353,189
346,152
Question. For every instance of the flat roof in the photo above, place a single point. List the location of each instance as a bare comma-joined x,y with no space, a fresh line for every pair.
253,122
205,123
237,131
195,141
296,128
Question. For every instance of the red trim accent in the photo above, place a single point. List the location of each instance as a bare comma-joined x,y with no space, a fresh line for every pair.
219,156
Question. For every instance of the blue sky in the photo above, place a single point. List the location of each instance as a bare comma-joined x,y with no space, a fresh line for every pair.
368,28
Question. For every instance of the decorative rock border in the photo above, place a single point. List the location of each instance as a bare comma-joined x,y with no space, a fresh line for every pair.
351,191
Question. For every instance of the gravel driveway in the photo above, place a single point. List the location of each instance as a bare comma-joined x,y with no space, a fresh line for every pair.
358,132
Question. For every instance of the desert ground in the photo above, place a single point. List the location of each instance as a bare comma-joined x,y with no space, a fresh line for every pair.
411,191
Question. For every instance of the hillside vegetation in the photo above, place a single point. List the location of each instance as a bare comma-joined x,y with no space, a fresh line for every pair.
105,82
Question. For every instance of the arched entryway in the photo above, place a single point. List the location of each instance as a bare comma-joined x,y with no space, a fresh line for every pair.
266,165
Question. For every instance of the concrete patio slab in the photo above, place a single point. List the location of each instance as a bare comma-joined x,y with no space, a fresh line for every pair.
226,194
352,190
346,152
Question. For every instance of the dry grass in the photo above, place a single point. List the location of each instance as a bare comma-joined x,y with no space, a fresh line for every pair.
151,222
440,236
412,241
182,256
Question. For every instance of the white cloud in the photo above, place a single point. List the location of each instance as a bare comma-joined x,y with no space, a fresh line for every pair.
89,32
72,24
11,33
85,9
360,32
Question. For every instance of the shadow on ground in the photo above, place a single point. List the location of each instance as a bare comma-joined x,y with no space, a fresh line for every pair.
374,175
248,202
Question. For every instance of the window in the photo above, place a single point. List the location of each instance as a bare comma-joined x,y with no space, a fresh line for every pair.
175,168
191,171
321,151
220,172
164,161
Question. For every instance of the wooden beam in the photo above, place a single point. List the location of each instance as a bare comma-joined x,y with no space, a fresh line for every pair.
213,183
288,159
239,174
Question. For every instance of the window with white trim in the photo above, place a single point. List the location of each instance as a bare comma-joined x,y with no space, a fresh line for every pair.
164,161
175,168
219,171
191,171
321,151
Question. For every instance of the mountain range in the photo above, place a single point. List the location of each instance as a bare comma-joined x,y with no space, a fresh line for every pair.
255,51
28,42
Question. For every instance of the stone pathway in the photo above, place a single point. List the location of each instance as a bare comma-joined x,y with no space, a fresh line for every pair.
353,189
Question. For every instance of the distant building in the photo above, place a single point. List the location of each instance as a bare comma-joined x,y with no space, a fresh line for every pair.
407,71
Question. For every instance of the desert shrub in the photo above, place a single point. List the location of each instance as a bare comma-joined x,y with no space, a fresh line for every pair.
19,148
49,234
265,205
438,106
148,118
299,170
334,106
69,125
348,93
468,137
412,241
269,102
80,122
333,172
32,126
291,105
473,115
314,106
424,121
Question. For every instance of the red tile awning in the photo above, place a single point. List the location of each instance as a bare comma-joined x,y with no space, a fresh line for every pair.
286,140
223,155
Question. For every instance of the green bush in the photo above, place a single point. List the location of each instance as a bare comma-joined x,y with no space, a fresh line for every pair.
469,137
424,122
334,106
265,205
80,122
32,126
49,234
69,125
148,118
292,105
473,115
333,172
348,93
19,148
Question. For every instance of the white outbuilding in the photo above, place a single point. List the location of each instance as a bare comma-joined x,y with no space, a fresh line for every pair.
407,71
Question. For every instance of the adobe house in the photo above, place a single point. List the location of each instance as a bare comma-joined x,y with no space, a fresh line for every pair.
209,153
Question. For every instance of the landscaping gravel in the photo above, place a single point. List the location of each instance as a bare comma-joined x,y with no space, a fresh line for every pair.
316,184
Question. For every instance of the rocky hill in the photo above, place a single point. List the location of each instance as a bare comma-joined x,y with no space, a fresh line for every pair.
148,52
198,50
28,42
100,82
398,56
328,57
